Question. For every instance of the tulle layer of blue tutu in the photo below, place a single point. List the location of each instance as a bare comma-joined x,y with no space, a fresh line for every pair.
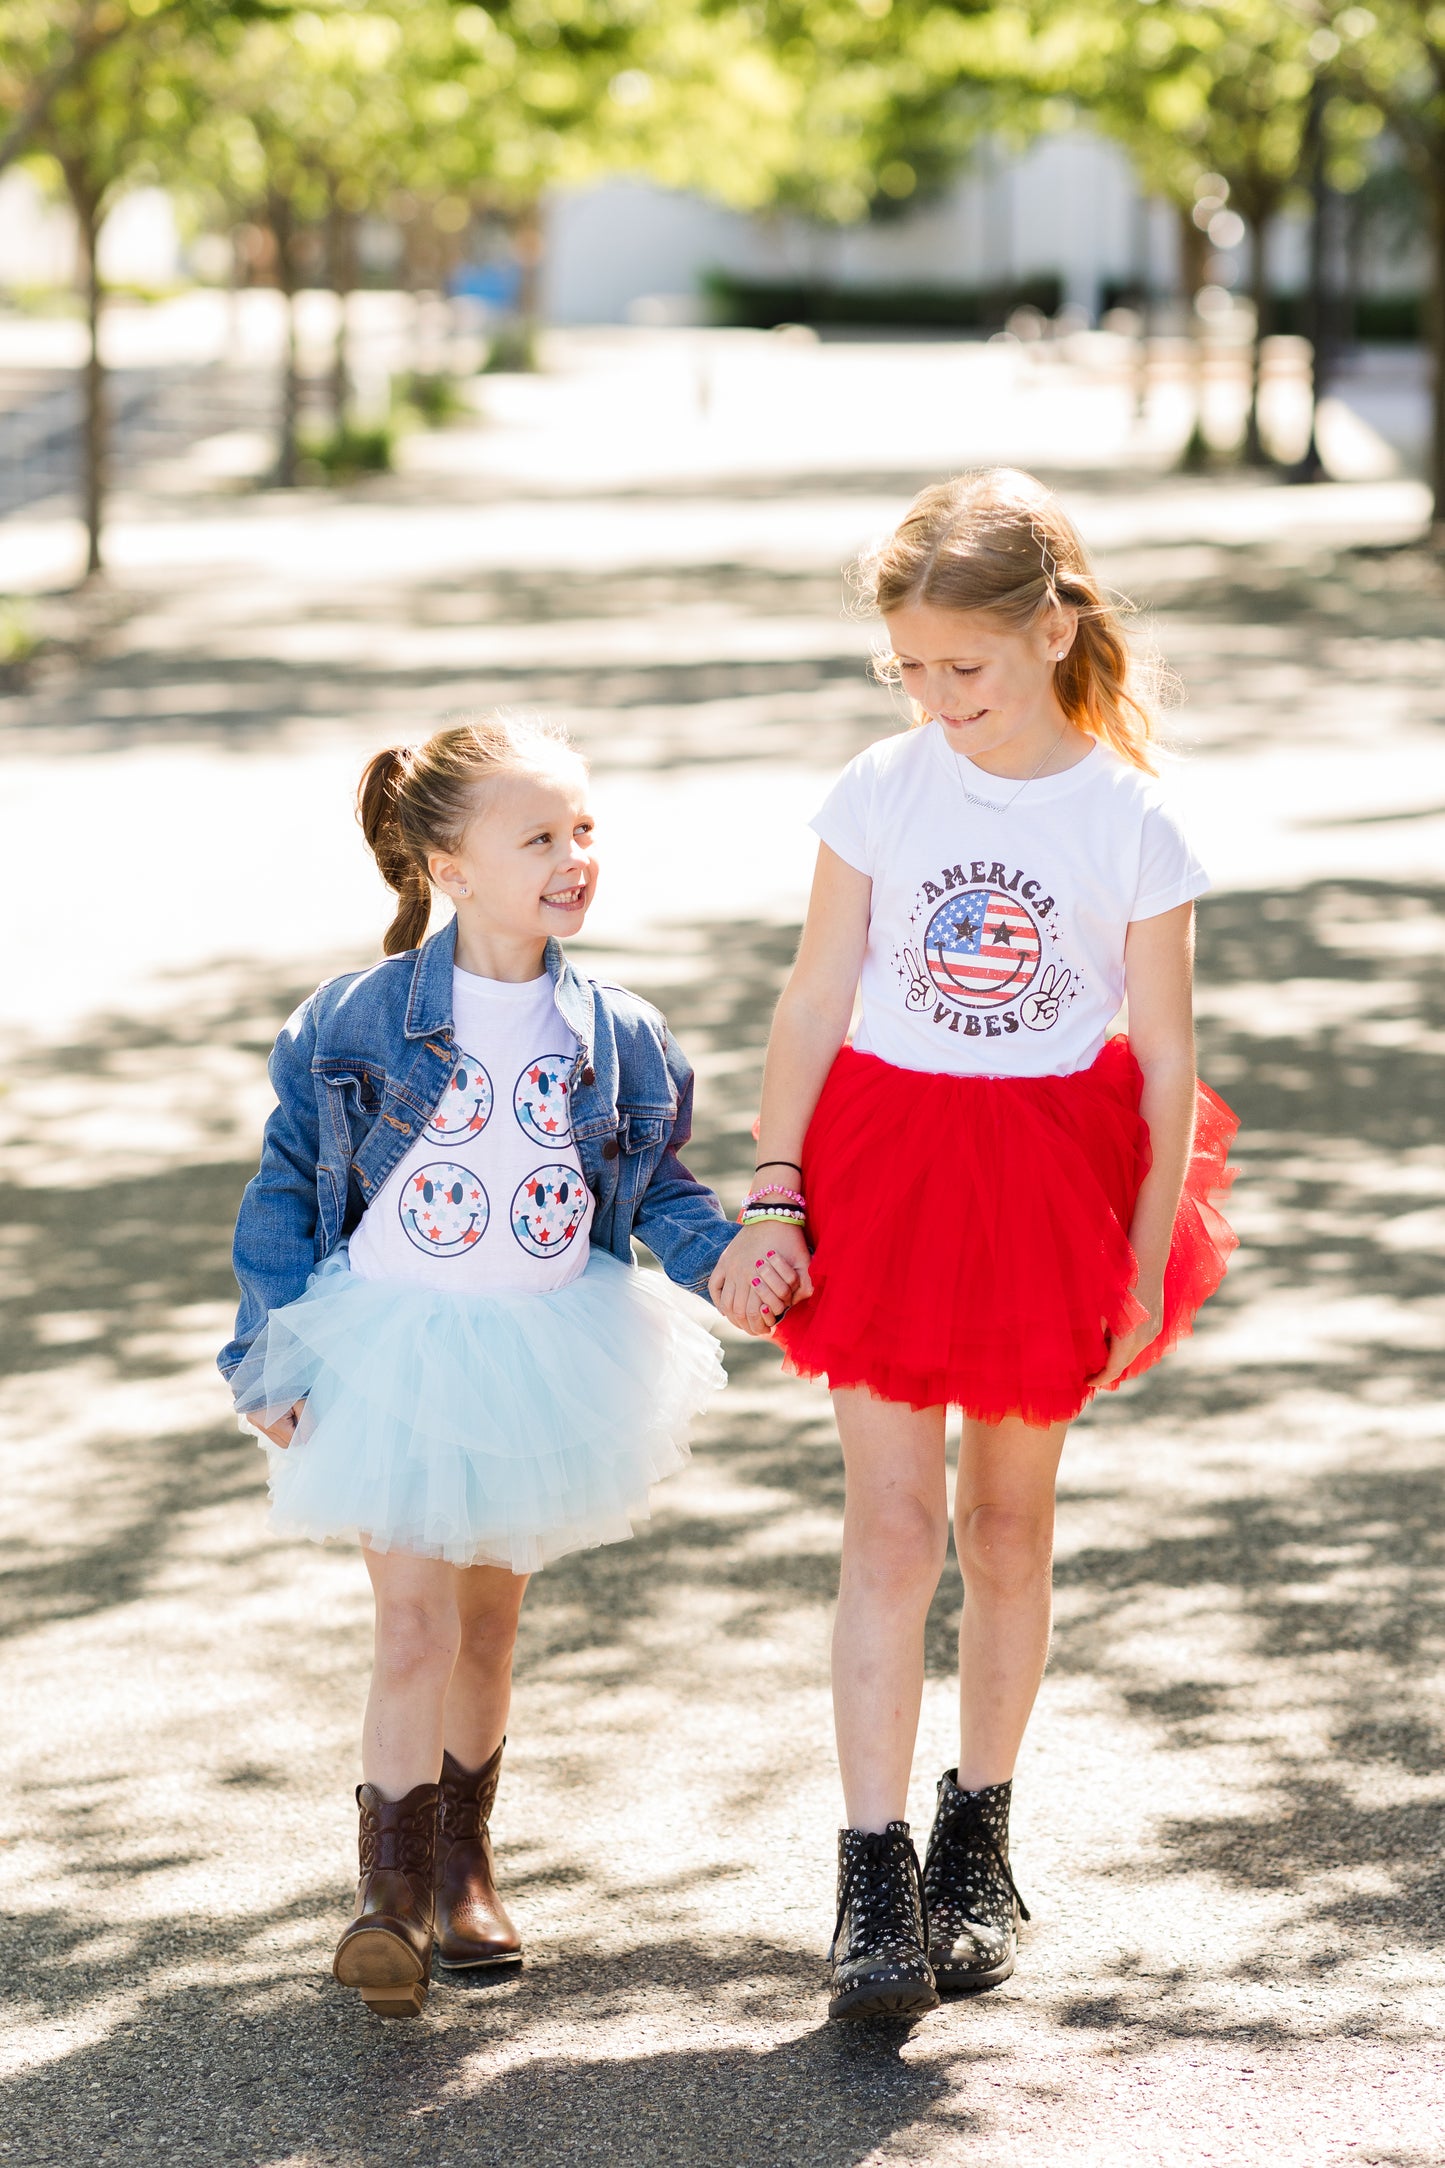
499,1429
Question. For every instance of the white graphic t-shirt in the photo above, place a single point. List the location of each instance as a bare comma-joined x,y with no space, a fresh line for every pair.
996,937
491,1195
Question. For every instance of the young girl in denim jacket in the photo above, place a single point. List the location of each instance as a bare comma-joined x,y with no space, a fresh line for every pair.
442,1335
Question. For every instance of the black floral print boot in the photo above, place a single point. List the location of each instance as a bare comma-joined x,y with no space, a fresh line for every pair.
973,1906
878,1956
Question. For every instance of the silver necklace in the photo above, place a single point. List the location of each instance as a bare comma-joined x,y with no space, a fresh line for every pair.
992,803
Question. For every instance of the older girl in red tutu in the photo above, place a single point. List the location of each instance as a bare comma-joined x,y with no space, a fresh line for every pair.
985,1201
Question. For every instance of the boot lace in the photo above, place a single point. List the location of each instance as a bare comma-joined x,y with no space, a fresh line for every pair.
948,1859
880,1881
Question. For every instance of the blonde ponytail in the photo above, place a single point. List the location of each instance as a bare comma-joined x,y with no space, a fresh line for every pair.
999,541
413,800
379,815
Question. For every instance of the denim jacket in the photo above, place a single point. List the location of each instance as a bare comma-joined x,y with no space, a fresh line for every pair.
361,1067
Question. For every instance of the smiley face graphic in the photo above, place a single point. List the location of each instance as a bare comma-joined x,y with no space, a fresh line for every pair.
541,1099
465,1106
548,1209
443,1209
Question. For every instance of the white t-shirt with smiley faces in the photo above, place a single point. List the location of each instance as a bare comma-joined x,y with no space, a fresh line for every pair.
998,915
491,1196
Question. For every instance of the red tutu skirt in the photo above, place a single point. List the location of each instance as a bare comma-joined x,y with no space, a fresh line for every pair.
972,1233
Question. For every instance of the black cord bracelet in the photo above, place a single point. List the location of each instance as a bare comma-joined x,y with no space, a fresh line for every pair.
777,1163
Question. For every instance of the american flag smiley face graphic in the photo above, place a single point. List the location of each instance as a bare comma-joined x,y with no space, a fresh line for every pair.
443,1209
548,1209
981,948
540,1098
466,1104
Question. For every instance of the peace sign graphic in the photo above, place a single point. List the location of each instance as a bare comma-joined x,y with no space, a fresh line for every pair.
1039,1010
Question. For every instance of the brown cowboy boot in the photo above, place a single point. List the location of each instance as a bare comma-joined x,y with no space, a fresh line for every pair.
472,1926
386,1951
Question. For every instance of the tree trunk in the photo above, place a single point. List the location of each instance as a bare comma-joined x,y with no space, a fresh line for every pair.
527,239
1193,254
1254,451
1143,302
85,201
1435,333
282,219
1311,467
341,263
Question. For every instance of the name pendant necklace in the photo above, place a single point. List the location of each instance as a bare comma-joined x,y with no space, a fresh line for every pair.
992,803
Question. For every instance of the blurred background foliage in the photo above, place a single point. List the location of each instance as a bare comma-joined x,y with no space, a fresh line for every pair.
297,122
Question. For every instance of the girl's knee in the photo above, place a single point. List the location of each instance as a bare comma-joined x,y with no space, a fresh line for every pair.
898,1548
488,1637
1007,1548
416,1639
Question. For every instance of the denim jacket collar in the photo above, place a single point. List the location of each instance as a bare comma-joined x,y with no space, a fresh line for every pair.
429,1006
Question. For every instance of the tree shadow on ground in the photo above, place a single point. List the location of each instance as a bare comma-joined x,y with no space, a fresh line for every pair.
281,2064
1332,1577
147,1250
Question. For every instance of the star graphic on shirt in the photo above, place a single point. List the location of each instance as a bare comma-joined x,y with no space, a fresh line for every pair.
1002,934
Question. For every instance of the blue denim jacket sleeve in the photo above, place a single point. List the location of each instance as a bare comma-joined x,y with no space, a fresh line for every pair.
275,1247
679,1218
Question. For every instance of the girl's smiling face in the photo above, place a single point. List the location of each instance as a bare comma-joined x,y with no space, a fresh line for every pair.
989,686
526,866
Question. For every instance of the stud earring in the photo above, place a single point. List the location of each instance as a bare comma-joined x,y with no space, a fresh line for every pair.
463,891
1061,654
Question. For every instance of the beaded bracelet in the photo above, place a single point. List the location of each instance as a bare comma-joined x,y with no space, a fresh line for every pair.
776,1189
785,1215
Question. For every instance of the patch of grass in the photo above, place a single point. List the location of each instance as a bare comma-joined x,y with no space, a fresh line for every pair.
511,351
18,638
43,301
341,455
432,400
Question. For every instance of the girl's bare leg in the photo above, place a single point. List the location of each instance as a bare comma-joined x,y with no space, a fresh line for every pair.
895,1537
1004,1529
489,1601
417,1637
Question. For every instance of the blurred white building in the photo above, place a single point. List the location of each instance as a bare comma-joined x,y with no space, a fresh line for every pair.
1067,206
620,250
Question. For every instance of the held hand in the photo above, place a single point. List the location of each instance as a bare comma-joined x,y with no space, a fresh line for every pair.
762,1272
1131,1345
277,1424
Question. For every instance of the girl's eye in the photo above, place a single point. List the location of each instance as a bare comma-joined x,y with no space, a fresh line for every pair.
965,669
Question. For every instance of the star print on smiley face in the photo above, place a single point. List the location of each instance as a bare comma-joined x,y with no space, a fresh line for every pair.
465,1106
541,1099
548,1209
443,1209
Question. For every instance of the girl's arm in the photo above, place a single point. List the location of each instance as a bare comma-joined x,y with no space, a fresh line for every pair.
1158,974
768,1265
679,1218
274,1250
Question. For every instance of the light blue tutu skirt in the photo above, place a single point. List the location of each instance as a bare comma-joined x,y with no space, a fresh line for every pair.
498,1429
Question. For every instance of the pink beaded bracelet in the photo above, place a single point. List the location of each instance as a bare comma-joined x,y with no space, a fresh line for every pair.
775,1189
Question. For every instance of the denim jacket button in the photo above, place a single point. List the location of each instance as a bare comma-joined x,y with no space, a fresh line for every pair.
589,1076
609,1149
